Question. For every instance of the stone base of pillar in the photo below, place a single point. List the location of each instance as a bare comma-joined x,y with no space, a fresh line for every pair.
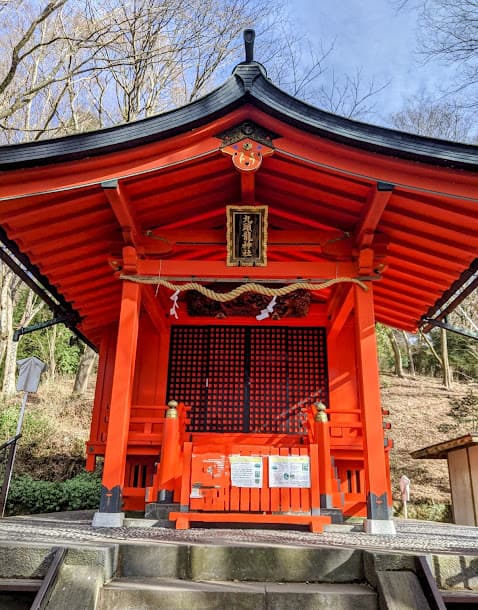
379,527
108,520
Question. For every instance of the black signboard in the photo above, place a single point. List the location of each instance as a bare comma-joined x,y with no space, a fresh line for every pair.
247,236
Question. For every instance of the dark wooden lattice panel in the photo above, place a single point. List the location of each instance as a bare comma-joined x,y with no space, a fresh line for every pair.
247,379
308,380
225,380
288,371
188,364
269,392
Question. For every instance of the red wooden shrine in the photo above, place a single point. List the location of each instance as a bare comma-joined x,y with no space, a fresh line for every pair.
233,256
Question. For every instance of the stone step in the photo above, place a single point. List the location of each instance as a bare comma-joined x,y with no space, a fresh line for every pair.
241,563
171,594
159,510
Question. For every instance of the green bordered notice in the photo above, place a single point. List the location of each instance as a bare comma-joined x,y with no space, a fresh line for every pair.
289,471
246,470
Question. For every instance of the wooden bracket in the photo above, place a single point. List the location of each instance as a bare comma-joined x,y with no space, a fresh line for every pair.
366,261
377,200
122,209
130,260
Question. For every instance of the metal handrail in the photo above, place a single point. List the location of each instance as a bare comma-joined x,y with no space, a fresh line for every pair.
41,598
11,446
14,439
428,583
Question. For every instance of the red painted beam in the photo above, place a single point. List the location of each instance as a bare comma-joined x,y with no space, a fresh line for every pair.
219,269
377,201
122,209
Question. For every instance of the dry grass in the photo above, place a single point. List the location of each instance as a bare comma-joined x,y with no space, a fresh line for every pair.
418,406
55,430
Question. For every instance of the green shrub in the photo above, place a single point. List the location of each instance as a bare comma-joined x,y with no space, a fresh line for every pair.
29,496
83,491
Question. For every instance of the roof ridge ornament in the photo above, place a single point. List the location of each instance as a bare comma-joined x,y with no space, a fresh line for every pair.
249,69
249,37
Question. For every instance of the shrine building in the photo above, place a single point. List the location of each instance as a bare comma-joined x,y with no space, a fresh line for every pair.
228,260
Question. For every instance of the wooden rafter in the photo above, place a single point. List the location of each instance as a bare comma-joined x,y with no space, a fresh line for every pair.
377,201
298,217
121,206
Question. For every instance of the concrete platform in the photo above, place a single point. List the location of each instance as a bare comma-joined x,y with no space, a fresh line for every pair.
238,568
411,535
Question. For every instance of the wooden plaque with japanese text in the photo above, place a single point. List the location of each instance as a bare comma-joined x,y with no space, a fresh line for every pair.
247,236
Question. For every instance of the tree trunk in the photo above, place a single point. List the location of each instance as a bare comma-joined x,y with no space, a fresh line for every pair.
447,373
411,364
9,350
85,367
432,349
397,356
52,333
31,308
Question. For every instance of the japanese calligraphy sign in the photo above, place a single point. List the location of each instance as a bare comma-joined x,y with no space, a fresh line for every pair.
247,236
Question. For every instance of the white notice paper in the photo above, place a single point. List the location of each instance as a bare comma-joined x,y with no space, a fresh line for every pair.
289,471
246,470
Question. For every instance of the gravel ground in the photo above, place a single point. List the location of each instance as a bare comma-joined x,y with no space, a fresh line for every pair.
412,536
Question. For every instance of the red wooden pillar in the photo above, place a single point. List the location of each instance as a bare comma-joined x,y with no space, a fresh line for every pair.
121,393
170,464
322,432
376,476
102,390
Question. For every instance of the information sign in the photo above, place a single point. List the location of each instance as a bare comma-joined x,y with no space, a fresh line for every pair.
246,470
289,471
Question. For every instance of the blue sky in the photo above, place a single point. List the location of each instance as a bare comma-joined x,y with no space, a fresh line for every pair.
373,36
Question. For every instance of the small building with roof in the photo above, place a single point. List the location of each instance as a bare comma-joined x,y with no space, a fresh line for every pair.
233,255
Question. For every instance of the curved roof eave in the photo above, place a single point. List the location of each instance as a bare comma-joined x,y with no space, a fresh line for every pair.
362,135
248,84
127,135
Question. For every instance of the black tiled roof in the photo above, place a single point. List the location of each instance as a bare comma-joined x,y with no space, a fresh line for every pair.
248,84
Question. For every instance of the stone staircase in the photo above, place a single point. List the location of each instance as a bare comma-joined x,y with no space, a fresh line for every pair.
149,574
213,577
146,594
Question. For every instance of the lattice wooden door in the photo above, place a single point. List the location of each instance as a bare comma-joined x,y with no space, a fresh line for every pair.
247,379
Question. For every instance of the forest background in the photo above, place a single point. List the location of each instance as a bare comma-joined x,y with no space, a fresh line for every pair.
68,66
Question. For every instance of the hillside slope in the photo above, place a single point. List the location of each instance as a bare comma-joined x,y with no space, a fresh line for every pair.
419,408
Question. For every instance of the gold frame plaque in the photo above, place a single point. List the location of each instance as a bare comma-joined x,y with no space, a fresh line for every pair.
246,235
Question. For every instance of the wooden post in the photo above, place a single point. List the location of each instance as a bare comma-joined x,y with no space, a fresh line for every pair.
378,494
322,434
110,514
315,480
170,453
95,427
